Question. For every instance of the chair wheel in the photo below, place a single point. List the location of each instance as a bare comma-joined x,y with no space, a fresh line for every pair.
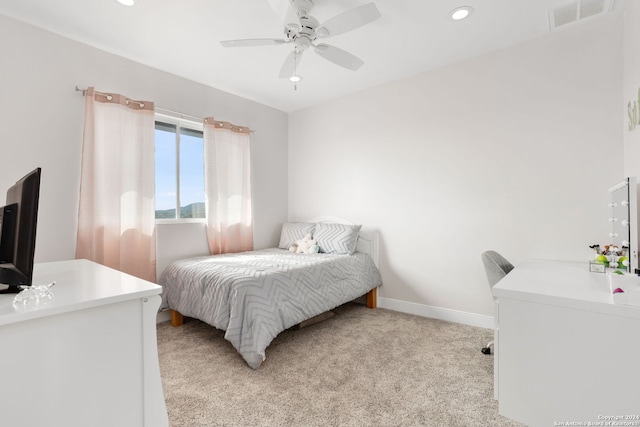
486,350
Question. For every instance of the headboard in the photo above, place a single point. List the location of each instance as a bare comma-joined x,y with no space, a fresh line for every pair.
368,241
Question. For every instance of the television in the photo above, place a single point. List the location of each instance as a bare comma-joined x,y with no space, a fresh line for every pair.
18,221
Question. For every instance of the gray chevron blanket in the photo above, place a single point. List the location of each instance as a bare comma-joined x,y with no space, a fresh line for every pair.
253,296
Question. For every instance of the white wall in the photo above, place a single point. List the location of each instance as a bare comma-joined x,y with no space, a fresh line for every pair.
41,117
631,91
512,151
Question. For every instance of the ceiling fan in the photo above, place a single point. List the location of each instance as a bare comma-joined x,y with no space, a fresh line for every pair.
303,30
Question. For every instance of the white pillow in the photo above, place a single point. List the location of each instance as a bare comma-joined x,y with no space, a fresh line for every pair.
336,238
293,231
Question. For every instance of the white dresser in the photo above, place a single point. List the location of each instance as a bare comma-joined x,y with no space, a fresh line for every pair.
86,358
565,351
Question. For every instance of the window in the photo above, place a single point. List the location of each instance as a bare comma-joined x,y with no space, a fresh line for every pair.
179,169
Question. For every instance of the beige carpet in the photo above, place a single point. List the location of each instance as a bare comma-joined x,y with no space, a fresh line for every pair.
361,367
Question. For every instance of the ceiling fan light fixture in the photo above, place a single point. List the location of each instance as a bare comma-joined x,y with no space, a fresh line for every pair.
461,13
127,2
295,78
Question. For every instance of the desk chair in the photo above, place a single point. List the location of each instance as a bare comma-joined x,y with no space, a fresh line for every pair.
496,266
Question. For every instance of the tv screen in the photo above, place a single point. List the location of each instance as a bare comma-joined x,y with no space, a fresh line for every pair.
18,224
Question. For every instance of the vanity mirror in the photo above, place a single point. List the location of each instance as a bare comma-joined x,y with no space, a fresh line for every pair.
624,220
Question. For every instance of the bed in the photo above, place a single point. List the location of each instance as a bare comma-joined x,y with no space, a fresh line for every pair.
255,295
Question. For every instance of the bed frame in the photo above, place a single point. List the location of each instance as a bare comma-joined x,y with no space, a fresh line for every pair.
368,242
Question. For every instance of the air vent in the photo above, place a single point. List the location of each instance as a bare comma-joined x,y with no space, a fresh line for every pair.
568,13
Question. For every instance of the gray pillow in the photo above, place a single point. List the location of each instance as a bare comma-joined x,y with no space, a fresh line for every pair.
336,238
293,231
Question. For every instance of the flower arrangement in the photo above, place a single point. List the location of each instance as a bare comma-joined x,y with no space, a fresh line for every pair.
611,255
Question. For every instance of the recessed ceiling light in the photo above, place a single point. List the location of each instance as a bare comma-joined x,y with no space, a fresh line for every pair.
127,2
461,13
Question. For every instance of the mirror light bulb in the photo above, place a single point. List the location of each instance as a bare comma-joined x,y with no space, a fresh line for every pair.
461,13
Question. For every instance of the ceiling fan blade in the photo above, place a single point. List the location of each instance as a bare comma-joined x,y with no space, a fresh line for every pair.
349,20
252,42
290,64
285,11
339,56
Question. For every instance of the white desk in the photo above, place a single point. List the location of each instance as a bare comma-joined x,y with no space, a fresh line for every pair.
88,357
564,350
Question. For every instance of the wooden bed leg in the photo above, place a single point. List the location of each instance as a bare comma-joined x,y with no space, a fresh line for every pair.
176,318
372,300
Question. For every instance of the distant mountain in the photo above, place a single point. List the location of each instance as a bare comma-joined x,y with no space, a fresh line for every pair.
194,210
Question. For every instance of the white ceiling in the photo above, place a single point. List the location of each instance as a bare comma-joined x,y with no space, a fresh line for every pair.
182,37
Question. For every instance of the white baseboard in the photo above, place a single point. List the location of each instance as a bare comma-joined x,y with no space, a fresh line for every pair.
440,313
163,316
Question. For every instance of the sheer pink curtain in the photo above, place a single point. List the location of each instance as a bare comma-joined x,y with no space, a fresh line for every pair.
227,170
116,217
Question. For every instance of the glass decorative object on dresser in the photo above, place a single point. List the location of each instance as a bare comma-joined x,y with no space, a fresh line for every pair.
624,224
